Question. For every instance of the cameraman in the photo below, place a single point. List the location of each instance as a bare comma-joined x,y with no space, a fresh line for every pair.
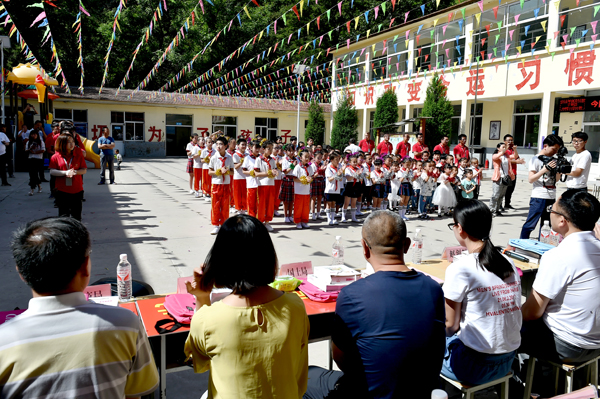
581,161
543,193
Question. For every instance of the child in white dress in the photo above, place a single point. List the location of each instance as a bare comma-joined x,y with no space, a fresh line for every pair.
393,196
444,196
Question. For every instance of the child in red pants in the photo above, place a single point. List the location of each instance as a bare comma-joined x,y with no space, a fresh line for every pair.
220,169
266,169
303,176
206,154
251,179
239,179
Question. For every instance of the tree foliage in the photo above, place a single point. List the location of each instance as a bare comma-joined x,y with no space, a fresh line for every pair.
316,123
387,109
439,108
345,123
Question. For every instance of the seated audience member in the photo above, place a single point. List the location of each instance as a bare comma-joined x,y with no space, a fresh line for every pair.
254,341
64,346
388,333
562,321
483,300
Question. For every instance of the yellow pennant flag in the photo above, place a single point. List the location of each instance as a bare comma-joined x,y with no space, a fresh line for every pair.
437,3
547,48
478,17
470,46
357,59
261,33
519,49
368,33
435,21
536,40
117,21
287,69
307,28
406,43
373,47
269,52
455,63
543,23
301,6
416,60
247,13
159,13
356,22
557,5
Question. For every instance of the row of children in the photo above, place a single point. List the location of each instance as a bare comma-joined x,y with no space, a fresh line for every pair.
256,177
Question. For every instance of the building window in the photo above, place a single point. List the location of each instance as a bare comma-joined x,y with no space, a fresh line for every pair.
226,124
78,116
267,127
455,124
351,69
391,63
526,122
476,124
128,126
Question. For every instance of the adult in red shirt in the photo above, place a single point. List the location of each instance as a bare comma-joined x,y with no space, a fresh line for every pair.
68,166
367,145
443,146
385,147
513,159
419,147
461,150
403,147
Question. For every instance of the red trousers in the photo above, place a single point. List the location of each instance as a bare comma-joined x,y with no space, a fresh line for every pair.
220,204
277,190
301,208
252,201
206,181
266,201
231,191
240,195
197,178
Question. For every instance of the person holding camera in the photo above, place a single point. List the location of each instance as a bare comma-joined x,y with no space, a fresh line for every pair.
581,163
543,175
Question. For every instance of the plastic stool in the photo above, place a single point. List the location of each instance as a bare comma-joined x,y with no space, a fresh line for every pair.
468,391
569,370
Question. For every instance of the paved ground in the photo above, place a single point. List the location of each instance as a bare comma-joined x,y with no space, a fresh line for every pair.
165,231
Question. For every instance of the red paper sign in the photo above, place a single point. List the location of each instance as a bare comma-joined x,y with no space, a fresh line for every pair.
450,252
97,291
300,269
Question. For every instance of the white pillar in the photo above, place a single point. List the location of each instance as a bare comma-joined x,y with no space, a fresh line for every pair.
464,114
365,123
545,118
409,126
553,22
469,31
410,56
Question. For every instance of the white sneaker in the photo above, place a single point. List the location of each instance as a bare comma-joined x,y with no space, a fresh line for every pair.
207,199
320,217
314,216
359,213
269,228
196,195
305,225
276,214
289,220
344,220
192,192
335,222
215,230
299,226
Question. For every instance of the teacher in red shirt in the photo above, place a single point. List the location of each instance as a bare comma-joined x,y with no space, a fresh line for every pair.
419,147
367,145
385,147
403,148
68,166
461,150
443,146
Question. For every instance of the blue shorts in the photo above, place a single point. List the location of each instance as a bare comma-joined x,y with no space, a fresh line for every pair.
334,197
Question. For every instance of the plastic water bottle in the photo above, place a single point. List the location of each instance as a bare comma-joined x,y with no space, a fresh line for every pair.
417,247
337,251
439,394
545,233
555,238
124,279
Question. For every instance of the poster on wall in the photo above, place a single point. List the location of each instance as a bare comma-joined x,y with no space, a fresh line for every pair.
495,130
81,128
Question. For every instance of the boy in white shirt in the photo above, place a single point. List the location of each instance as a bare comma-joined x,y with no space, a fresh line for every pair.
207,153
239,179
286,194
352,187
333,185
303,175
195,155
265,169
278,156
428,185
368,188
251,178
220,168
190,164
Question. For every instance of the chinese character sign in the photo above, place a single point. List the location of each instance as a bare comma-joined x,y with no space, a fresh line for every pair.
285,136
413,90
475,81
203,131
581,65
528,70
369,96
97,130
445,83
156,134
246,134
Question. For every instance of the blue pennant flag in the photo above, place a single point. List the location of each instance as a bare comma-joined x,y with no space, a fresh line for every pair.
366,16
423,9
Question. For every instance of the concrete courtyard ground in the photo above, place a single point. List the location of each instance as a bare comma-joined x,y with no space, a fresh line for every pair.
150,215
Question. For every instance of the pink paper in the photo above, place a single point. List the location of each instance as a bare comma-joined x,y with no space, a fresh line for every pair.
298,269
95,291
450,252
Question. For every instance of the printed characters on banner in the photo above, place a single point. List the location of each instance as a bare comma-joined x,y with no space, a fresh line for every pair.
369,96
413,89
156,134
528,70
582,66
476,82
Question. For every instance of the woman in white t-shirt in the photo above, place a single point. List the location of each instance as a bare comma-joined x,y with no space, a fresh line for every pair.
483,302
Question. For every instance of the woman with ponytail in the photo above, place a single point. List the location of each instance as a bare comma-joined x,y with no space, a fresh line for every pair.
483,302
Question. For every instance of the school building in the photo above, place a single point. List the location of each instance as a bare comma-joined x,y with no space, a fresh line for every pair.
526,68
155,124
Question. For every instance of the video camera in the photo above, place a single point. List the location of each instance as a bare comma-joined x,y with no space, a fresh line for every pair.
562,164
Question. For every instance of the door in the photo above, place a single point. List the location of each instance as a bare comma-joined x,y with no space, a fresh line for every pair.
179,130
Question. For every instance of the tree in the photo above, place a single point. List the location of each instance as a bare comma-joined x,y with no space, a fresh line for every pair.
387,109
439,109
345,123
316,123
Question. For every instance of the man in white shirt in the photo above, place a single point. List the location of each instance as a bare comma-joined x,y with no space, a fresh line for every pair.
581,161
4,142
562,322
543,193
352,147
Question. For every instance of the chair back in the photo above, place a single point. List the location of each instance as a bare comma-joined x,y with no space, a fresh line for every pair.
589,392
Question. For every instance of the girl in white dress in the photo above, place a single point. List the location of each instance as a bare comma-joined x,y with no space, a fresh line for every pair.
444,196
393,196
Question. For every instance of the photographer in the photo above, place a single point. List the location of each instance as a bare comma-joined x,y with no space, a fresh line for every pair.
581,161
543,177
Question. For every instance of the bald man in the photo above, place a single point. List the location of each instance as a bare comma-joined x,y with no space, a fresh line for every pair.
388,334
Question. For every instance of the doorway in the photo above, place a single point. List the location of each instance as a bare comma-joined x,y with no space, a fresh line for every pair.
179,130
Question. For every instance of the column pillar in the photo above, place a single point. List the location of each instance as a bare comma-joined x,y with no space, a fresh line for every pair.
545,118
464,114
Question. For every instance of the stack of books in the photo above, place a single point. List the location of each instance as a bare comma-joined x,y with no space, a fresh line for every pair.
333,278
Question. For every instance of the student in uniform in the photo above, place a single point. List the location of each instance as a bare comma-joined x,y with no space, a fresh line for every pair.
333,185
265,169
220,169
427,186
317,187
207,153
286,194
378,179
189,169
195,156
231,150
405,175
303,175
389,174
368,188
277,156
251,179
361,182
352,188
239,179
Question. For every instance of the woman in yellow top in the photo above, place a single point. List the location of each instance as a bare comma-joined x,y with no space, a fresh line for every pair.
254,341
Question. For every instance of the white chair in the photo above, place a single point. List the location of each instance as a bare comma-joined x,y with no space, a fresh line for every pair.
468,391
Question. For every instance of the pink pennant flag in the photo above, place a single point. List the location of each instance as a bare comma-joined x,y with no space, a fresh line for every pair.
517,18
510,33
348,43
340,7
447,50
38,18
571,51
444,43
564,37
594,37
594,23
230,22
444,29
289,38
489,56
376,11
320,40
275,25
84,11
165,3
406,16
363,50
480,4
556,34
507,47
407,33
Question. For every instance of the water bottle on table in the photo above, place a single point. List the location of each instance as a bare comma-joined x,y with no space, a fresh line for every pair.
337,251
124,281
545,233
417,248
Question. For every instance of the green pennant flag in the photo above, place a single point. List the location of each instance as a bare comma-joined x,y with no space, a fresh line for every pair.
499,24
436,55
497,37
572,30
329,33
431,32
462,10
395,37
328,15
284,16
337,46
522,2
577,42
495,49
477,58
344,59
596,8
383,7
379,27
554,52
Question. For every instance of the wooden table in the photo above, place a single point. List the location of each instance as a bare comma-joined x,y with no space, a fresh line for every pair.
320,316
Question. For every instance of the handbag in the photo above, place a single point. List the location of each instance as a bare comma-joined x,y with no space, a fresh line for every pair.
181,308
506,181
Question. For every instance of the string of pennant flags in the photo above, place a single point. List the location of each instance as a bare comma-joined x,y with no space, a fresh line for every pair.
112,41
25,50
79,43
